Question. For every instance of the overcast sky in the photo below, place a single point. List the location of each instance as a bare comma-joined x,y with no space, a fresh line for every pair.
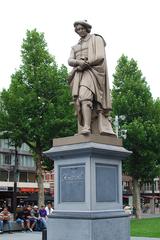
128,26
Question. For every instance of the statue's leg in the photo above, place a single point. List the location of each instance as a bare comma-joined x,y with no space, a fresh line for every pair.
85,98
86,112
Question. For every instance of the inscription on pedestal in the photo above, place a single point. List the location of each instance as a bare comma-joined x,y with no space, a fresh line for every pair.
72,183
106,183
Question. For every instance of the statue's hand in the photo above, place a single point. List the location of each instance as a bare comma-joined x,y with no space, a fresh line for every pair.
79,69
80,62
82,65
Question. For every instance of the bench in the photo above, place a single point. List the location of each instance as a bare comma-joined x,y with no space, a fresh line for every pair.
15,227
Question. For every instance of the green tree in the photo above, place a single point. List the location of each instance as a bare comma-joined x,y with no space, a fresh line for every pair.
156,118
132,98
36,107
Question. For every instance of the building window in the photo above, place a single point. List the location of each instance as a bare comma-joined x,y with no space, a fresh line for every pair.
11,176
26,161
3,176
147,186
7,158
23,177
21,162
1,159
31,177
25,147
6,143
47,177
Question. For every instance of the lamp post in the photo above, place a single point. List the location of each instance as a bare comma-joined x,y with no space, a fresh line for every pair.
116,124
120,133
14,152
15,177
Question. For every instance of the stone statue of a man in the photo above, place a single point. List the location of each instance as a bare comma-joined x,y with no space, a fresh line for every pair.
89,81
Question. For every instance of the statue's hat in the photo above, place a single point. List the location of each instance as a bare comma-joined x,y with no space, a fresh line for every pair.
83,23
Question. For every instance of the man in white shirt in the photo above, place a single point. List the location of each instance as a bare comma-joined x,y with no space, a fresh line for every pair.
49,209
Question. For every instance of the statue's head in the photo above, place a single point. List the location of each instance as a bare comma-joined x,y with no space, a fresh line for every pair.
83,23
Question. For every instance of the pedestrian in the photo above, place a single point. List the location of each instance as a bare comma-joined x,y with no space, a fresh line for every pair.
5,218
20,217
35,214
49,208
43,216
29,220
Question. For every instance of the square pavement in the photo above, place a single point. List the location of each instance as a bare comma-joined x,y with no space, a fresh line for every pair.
21,236
38,236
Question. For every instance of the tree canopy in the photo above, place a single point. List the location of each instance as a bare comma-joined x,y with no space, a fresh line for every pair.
36,107
132,98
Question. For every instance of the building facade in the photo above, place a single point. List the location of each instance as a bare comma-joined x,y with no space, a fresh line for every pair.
149,193
27,187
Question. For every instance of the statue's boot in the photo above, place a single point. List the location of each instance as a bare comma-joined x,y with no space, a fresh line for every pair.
86,112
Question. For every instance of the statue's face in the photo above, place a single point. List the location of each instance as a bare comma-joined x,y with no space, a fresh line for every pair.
81,31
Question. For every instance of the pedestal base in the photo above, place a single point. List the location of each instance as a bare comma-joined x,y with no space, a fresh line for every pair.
88,189
89,226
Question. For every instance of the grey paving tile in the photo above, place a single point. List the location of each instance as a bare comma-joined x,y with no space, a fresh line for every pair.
21,236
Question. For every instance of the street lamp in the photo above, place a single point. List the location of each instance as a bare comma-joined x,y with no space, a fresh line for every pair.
15,177
120,132
14,152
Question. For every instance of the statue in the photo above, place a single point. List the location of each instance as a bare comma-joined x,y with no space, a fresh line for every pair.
89,82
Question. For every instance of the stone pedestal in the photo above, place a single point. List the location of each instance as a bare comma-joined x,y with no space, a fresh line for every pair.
88,189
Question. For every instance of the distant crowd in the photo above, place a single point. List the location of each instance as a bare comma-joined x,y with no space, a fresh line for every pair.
31,218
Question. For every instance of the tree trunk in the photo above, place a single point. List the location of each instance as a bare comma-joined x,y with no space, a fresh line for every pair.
152,202
40,180
136,198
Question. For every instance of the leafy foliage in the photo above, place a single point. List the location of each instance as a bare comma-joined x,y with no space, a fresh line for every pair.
36,107
132,98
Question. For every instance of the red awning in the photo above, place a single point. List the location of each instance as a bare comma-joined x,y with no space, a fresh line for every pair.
28,189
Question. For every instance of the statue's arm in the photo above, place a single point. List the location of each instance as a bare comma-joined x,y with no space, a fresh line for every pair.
99,57
72,60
